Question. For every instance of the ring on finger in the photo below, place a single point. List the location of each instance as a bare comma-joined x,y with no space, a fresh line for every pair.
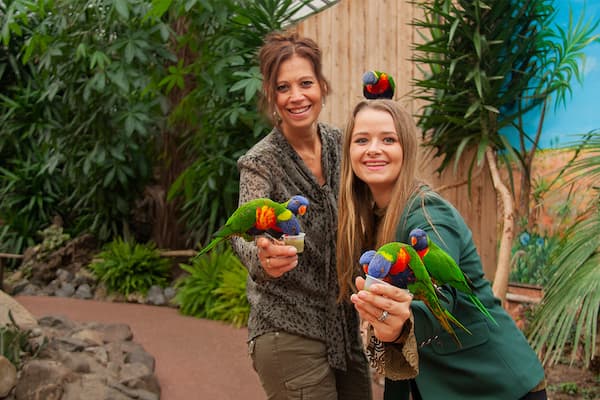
383,316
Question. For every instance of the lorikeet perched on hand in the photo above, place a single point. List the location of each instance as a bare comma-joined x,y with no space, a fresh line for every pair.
378,85
261,216
399,264
443,269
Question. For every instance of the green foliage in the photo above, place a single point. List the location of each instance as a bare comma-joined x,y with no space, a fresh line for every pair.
531,258
568,314
15,343
127,267
573,390
215,288
486,64
79,111
221,109
231,303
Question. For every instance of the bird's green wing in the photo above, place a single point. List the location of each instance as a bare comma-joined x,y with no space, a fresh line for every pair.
444,270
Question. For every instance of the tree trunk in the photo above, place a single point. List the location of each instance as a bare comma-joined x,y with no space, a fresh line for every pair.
508,221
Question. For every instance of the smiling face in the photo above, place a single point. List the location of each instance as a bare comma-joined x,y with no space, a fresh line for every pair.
376,155
298,94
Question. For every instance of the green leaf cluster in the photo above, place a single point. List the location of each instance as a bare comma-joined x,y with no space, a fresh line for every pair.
220,110
80,111
487,63
214,288
16,343
126,267
567,318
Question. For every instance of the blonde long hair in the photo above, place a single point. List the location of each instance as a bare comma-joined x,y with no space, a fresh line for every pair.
358,229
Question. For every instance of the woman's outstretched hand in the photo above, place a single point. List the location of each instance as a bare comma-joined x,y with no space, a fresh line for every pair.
275,257
385,307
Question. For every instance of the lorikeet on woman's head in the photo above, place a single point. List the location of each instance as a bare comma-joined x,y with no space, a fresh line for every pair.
378,85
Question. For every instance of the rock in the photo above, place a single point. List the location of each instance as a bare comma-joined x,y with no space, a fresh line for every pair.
42,379
155,296
22,317
66,290
86,361
84,291
8,376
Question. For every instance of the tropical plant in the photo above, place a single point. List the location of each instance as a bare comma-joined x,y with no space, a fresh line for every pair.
231,303
485,64
218,109
195,289
79,111
214,287
568,314
16,343
127,267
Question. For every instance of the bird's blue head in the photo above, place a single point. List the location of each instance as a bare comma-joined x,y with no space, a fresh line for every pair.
298,205
290,226
365,259
370,78
418,239
379,267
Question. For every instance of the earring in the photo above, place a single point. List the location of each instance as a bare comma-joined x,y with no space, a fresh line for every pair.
276,117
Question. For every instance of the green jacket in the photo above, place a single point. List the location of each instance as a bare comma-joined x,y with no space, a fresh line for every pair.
495,362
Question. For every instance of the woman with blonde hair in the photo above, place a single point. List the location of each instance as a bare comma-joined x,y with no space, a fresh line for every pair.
381,200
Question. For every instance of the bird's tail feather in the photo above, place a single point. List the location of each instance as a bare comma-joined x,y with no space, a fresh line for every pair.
444,316
456,322
209,246
482,308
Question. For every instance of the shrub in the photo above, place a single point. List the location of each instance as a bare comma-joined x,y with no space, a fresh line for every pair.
215,288
126,267
15,343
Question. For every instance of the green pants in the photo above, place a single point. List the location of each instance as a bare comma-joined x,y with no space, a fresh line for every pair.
294,367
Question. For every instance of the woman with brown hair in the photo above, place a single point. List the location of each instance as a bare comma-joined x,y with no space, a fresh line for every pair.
302,342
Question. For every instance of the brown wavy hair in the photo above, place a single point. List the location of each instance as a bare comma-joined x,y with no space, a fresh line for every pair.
277,48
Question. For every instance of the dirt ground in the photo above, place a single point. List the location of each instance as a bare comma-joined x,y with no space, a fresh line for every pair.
569,383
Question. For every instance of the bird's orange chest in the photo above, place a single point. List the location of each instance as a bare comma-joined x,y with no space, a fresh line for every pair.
265,218
402,261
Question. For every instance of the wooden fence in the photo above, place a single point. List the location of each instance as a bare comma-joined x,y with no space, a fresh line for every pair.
361,35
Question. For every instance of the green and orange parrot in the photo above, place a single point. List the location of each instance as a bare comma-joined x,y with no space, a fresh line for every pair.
378,85
443,269
399,264
261,216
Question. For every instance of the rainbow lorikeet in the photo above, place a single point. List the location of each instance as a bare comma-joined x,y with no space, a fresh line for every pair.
378,85
399,264
443,269
261,216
